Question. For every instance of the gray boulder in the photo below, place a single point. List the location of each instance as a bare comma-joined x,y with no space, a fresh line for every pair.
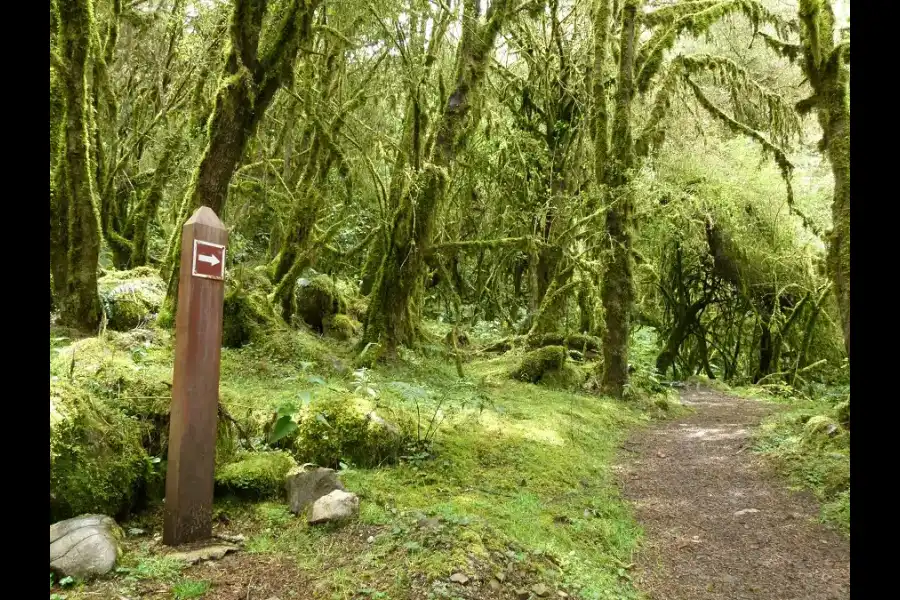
84,546
336,506
305,485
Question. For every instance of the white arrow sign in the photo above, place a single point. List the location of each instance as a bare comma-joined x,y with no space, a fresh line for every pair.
208,259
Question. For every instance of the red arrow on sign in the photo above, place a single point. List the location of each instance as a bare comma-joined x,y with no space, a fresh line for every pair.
209,260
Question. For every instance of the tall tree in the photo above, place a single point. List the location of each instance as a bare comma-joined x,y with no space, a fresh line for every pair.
643,70
824,59
75,220
255,68
394,313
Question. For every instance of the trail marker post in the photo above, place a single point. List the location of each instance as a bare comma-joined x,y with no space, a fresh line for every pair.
195,384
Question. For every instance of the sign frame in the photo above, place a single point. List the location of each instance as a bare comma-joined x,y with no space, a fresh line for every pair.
195,256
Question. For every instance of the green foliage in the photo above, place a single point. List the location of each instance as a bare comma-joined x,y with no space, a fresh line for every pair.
255,474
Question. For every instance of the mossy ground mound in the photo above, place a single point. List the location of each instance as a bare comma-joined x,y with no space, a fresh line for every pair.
341,327
581,342
255,475
539,363
247,312
317,299
131,298
335,430
97,462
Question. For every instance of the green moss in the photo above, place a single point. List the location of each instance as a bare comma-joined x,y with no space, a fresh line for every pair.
341,327
813,451
256,474
537,363
316,299
336,431
131,298
97,463
246,312
842,413
574,341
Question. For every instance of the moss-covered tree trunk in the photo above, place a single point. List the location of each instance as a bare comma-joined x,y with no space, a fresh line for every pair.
617,295
824,64
394,311
75,223
252,73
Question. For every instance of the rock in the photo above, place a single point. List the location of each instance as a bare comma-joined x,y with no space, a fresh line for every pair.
459,578
370,539
539,589
495,585
317,299
84,546
334,506
537,363
522,594
562,594
305,486
746,511
208,552
501,576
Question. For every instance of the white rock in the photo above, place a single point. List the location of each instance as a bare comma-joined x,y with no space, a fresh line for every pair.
335,506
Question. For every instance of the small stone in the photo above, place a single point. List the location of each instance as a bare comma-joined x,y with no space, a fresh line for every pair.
660,454
746,511
336,506
501,576
370,539
539,589
234,539
459,578
495,585
562,594
522,594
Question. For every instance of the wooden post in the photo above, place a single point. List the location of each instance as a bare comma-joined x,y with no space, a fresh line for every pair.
195,386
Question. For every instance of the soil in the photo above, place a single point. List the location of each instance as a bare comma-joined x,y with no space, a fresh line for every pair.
718,522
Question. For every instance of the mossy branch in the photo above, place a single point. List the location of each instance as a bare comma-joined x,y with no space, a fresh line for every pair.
737,127
677,21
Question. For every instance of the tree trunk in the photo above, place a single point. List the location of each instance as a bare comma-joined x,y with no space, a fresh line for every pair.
76,221
249,81
395,307
618,285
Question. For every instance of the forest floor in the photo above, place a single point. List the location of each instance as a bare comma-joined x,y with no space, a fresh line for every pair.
717,522
519,500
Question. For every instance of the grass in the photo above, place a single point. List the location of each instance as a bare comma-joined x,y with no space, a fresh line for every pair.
515,470
190,588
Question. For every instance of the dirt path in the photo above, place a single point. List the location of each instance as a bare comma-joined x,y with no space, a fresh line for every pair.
718,524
